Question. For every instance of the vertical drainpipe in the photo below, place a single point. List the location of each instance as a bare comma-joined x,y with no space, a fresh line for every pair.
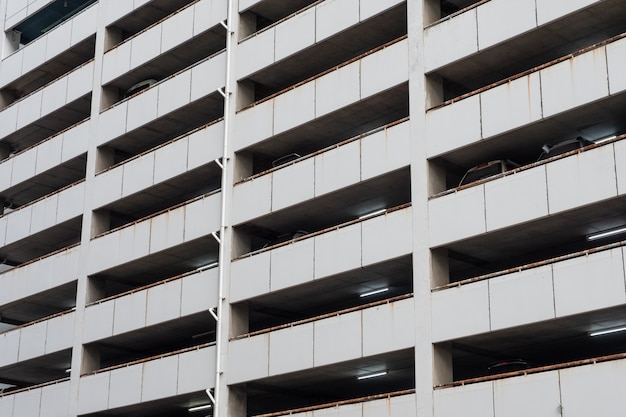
223,222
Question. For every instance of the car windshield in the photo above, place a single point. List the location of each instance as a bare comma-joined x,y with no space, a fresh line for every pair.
562,147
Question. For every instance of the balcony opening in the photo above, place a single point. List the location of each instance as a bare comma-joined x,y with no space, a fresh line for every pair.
171,262
142,18
353,289
330,384
266,13
46,242
359,118
48,18
44,184
178,125
166,195
55,68
163,66
546,344
558,39
386,191
35,371
164,338
382,29
175,406
38,306
50,124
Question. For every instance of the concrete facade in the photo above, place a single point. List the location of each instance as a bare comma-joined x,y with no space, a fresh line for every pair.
255,205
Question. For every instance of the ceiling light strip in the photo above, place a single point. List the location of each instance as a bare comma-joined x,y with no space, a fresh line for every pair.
608,331
374,375
606,233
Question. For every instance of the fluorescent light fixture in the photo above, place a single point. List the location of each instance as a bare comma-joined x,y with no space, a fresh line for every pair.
67,371
372,214
606,233
374,375
608,331
378,291
200,407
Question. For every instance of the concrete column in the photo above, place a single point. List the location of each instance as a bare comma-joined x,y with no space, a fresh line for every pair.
105,158
88,358
240,320
440,273
100,223
442,364
425,365
245,94
96,289
240,243
243,165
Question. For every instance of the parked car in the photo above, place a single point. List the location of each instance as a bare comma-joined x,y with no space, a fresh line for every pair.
284,159
142,85
487,169
285,237
549,151
507,365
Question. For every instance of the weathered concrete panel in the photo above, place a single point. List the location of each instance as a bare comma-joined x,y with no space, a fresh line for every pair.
519,100
460,311
588,72
516,198
589,283
292,264
295,34
581,179
444,136
291,349
509,295
448,224
450,40
250,277
519,17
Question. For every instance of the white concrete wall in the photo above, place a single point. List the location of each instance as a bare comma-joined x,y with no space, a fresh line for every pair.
32,341
341,338
580,179
488,24
303,30
324,255
573,286
330,92
150,236
18,10
161,37
179,374
35,277
174,299
184,154
49,154
528,99
346,165
48,46
169,95
46,100
48,401
43,214
572,392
